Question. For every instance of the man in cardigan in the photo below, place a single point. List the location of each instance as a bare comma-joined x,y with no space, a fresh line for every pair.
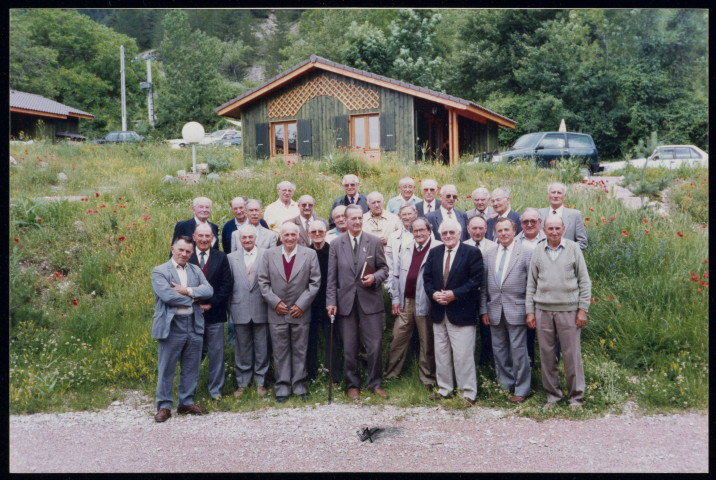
215,268
557,300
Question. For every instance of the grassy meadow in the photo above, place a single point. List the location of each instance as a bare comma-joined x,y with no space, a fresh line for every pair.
81,301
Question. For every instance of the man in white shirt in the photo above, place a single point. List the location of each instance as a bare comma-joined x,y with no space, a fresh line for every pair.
282,209
447,211
406,185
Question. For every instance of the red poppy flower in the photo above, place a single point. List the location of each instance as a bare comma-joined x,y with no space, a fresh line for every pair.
625,233
17,240
96,195
121,239
646,230
591,209
706,274
75,302
680,234
645,220
705,261
114,211
611,297
586,219
694,277
39,220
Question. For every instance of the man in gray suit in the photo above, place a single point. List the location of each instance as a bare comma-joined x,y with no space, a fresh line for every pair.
306,205
358,300
248,314
289,278
178,326
502,307
573,221
265,238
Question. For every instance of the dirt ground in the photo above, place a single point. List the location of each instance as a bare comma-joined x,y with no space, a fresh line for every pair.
324,438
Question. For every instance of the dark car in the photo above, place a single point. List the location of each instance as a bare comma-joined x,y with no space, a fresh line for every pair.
232,141
549,147
120,137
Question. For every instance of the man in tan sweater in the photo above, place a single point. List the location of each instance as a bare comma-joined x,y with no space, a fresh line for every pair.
557,300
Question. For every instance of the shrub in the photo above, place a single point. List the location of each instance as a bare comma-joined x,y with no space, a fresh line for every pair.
692,197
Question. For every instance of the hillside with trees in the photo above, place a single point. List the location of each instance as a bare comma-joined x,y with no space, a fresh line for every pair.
615,74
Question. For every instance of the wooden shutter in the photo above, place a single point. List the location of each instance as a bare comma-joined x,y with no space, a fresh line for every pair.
303,131
387,132
262,140
340,129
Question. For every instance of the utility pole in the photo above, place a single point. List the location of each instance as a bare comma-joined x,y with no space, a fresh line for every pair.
149,87
124,95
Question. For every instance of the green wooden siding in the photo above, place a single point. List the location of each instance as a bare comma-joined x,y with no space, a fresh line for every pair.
475,137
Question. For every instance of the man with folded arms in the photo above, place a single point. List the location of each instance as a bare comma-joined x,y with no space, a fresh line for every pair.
178,327
502,308
556,301
452,279
411,305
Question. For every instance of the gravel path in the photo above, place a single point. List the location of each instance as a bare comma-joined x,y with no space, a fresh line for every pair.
319,438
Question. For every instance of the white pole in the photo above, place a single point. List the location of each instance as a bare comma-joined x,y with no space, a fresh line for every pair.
124,99
193,158
150,96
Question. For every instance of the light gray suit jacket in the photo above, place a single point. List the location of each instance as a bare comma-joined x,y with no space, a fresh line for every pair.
344,286
246,304
510,297
265,239
166,299
299,289
574,229
400,276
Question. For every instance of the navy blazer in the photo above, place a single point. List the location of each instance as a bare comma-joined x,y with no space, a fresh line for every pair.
420,207
186,227
221,280
490,234
464,280
229,228
362,202
436,218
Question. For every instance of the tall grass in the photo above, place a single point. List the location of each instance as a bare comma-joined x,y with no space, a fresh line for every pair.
81,299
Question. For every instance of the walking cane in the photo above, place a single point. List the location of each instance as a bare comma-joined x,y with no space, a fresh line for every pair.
330,362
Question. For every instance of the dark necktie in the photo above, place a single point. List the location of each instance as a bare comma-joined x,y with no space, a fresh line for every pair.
446,272
201,262
353,201
429,207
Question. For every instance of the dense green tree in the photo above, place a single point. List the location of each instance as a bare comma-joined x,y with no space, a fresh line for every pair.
192,85
416,55
368,49
69,58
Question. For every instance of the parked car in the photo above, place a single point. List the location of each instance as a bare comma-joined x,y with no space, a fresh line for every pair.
547,147
666,156
210,138
120,137
232,141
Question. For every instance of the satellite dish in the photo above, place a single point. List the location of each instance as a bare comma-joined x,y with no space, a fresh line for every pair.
192,132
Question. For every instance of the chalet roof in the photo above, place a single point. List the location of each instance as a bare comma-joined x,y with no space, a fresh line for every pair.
315,62
24,102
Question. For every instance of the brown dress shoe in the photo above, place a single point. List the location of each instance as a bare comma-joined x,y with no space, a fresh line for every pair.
162,415
380,392
192,409
239,391
469,402
517,399
436,396
353,393
261,390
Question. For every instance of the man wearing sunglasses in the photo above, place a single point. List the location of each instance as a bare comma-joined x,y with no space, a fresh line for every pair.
531,233
447,211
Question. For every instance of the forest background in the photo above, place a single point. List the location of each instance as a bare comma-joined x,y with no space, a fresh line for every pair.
618,75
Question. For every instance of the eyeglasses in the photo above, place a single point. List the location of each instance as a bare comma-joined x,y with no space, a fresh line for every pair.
317,232
448,232
451,196
529,222
349,184
305,204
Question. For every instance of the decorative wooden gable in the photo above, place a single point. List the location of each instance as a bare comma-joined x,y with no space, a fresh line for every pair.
352,96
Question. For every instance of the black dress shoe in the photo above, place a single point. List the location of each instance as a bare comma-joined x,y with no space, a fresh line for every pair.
281,399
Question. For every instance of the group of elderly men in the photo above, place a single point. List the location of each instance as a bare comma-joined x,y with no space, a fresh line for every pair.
284,274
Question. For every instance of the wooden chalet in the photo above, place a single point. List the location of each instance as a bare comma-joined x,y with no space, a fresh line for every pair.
319,105
38,117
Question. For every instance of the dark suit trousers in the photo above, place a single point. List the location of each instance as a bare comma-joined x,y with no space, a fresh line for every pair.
371,328
486,357
321,321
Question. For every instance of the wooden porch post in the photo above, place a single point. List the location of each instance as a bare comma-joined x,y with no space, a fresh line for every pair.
453,135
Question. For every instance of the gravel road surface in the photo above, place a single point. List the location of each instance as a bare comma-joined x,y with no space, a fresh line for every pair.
320,438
